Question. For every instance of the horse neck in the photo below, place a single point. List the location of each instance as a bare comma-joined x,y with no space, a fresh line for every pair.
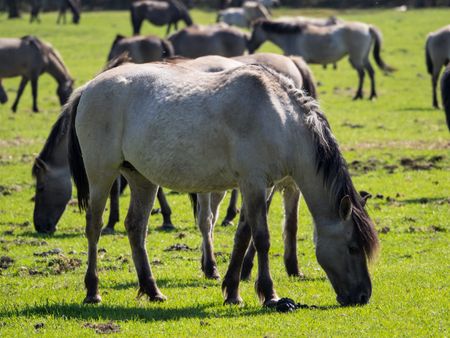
57,70
281,40
55,151
59,157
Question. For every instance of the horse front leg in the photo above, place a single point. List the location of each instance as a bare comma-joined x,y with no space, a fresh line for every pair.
434,81
143,194
168,28
291,198
22,85
3,95
165,211
34,91
359,92
371,72
232,209
205,224
113,208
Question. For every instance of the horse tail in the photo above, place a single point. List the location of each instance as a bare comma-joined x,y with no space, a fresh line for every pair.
76,163
309,83
194,203
428,57
445,90
376,35
167,49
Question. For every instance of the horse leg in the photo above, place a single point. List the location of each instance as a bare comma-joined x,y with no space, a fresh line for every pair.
291,197
256,215
359,92
247,265
371,72
22,85
165,210
143,194
3,95
434,81
97,201
168,28
232,209
34,91
113,208
216,199
204,219
230,284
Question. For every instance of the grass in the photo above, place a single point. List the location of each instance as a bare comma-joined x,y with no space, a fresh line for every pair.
411,209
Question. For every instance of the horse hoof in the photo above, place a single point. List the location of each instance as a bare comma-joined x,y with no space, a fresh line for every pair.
215,275
271,303
92,299
227,223
157,298
297,274
108,231
167,227
233,301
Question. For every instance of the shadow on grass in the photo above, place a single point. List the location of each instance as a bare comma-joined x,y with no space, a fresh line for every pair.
58,235
425,200
165,283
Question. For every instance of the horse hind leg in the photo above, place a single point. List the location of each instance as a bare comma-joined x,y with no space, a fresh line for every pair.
34,91
113,208
232,209
143,194
97,201
205,224
165,211
434,81
22,85
371,72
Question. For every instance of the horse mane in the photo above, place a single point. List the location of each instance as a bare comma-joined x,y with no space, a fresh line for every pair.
280,27
58,58
330,162
59,130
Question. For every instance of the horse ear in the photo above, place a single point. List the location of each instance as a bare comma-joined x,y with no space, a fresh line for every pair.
364,197
40,164
345,208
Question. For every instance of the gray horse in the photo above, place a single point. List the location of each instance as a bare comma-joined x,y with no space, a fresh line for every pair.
29,57
141,48
219,39
437,52
160,13
325,45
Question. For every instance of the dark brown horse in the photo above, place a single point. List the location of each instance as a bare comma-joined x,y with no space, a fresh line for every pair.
74,7
160,13
36,7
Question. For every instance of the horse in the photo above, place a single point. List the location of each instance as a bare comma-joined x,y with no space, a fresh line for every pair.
192,131
54,187
243,16
36,7
29,57
159,13
141,48
437,55
445,91
219,39
325,45
306,20
74,7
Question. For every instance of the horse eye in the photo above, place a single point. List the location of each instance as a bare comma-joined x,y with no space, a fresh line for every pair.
353,250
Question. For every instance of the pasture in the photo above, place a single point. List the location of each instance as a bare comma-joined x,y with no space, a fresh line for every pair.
397,148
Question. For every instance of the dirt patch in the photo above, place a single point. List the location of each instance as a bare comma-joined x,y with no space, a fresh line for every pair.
103,328
384,230
55,251
431,228
420,163
9,190
179,247
62,264
181,235
6,262
352,125
32,242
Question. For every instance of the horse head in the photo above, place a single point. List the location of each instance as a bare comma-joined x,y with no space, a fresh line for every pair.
64,90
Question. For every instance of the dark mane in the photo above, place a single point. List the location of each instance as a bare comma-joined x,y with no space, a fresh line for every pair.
280,27
58,132
330,162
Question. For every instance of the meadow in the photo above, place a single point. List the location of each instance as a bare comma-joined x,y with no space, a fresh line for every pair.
397,148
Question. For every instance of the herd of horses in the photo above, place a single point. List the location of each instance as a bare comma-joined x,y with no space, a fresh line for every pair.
192,112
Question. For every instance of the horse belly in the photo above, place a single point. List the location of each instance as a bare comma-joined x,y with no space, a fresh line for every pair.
323,50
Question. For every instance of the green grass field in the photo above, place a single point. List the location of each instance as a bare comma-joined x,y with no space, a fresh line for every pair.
397,148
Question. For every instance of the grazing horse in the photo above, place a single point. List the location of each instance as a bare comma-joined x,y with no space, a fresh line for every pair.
54,188
29,57
325,45
306,20
74,7
437,53
160,13
141,49
243,16
445,91
36,7
124,121
219,39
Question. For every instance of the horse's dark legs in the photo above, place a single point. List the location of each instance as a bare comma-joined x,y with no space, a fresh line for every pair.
113,208
143,195
371,72
230,285
3,95
97,201
205,223
232,209
434,81
359,92
165,210
34,91
247,265
22,85
291,197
